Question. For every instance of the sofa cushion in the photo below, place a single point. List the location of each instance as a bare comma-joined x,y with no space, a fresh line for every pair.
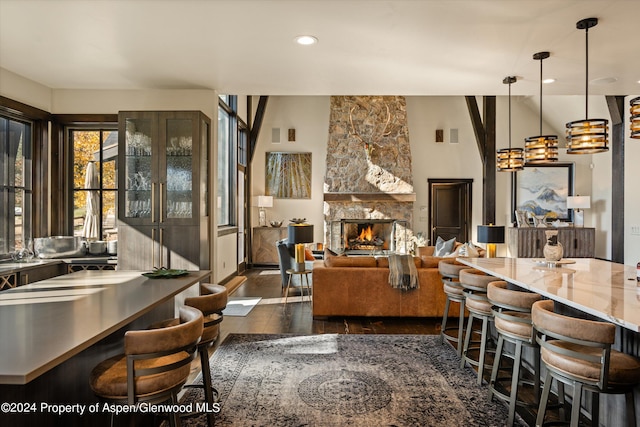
383,262
349,261
444,247
430,261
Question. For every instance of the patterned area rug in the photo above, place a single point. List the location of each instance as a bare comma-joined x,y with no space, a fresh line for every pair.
345,380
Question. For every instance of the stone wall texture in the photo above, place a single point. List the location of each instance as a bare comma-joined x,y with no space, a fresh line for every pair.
368,152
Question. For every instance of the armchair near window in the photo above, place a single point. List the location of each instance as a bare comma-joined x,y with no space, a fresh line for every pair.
286,259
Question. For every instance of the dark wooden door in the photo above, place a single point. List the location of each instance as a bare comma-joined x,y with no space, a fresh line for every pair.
450,209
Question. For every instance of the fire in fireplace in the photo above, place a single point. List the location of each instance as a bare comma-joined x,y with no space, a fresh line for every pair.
367,235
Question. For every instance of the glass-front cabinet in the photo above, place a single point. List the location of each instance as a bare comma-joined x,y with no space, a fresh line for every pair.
165,172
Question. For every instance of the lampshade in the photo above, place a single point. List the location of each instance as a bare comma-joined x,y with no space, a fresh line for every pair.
300,233
635,118
510,159
578,202
491,233
541,148
265,201
587,136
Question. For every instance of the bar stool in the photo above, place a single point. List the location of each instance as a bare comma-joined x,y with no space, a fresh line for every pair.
155,365
578,352
512,319
475,283
212,300
449,270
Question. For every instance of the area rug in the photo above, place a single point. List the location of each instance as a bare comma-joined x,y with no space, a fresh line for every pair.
240,306
345,380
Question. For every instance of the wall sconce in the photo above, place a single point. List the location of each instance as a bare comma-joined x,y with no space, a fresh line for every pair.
635,118
263,202
292,135
577,203
439,135
491,234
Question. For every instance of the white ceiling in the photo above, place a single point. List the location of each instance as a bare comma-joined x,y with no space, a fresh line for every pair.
401,47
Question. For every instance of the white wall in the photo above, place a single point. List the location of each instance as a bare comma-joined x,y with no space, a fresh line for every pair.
23,90
309,116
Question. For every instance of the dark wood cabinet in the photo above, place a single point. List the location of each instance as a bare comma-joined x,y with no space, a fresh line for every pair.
163,208
528,242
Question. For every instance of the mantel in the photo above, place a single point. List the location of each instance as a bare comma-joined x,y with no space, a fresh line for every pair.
369,197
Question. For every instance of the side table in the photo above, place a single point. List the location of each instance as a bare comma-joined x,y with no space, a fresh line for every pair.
305,274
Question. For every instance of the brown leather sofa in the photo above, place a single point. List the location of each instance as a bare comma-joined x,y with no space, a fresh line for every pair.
359,286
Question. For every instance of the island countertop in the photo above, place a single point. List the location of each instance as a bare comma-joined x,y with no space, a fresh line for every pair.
48,322
603,289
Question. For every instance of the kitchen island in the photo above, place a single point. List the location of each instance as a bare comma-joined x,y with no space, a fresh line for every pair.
55,331
585,288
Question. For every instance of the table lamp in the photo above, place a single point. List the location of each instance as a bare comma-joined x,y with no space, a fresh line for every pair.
264,202
491,234
299,234
576,203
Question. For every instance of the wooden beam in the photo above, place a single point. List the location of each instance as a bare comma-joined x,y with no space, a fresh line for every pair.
489,172
476,121
616,110
257,124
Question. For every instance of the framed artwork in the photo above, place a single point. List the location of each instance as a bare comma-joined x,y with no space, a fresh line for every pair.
543,190
288,175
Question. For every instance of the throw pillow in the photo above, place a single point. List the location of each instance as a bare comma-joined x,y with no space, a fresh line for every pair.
444,247
468,250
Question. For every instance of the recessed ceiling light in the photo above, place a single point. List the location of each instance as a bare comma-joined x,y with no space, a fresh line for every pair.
548,81
306,40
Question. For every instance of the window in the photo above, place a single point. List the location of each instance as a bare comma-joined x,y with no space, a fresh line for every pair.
16,187
94,180
227,124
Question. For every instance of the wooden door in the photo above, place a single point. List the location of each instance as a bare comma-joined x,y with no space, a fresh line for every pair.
450,209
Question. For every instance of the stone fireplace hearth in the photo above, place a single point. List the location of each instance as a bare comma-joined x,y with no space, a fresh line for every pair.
369,173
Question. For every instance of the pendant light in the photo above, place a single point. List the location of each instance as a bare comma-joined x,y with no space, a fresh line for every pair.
635,118
510,159
587,136
541,148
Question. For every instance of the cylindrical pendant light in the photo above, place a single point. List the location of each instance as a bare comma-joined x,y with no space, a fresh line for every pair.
510,159
541,148
587,136
635,118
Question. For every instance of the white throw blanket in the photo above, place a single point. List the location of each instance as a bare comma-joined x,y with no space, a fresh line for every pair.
403,273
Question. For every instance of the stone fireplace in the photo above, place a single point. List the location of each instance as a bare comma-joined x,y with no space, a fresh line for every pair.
369,174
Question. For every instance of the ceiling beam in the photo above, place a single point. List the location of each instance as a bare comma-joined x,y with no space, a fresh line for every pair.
257,124
485,131
616,110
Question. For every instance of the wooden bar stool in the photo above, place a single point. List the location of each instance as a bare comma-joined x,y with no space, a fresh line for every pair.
155,365
475,283
578,352
512,319
449,270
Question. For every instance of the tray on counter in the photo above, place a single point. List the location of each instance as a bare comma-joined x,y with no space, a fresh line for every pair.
165,273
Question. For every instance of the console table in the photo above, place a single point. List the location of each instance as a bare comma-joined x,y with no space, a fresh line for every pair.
263,245
528,242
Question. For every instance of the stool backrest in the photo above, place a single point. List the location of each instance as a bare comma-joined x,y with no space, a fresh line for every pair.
500,296
589,334
170,348
476,280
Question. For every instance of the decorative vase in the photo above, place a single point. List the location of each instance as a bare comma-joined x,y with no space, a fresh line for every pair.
552,249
